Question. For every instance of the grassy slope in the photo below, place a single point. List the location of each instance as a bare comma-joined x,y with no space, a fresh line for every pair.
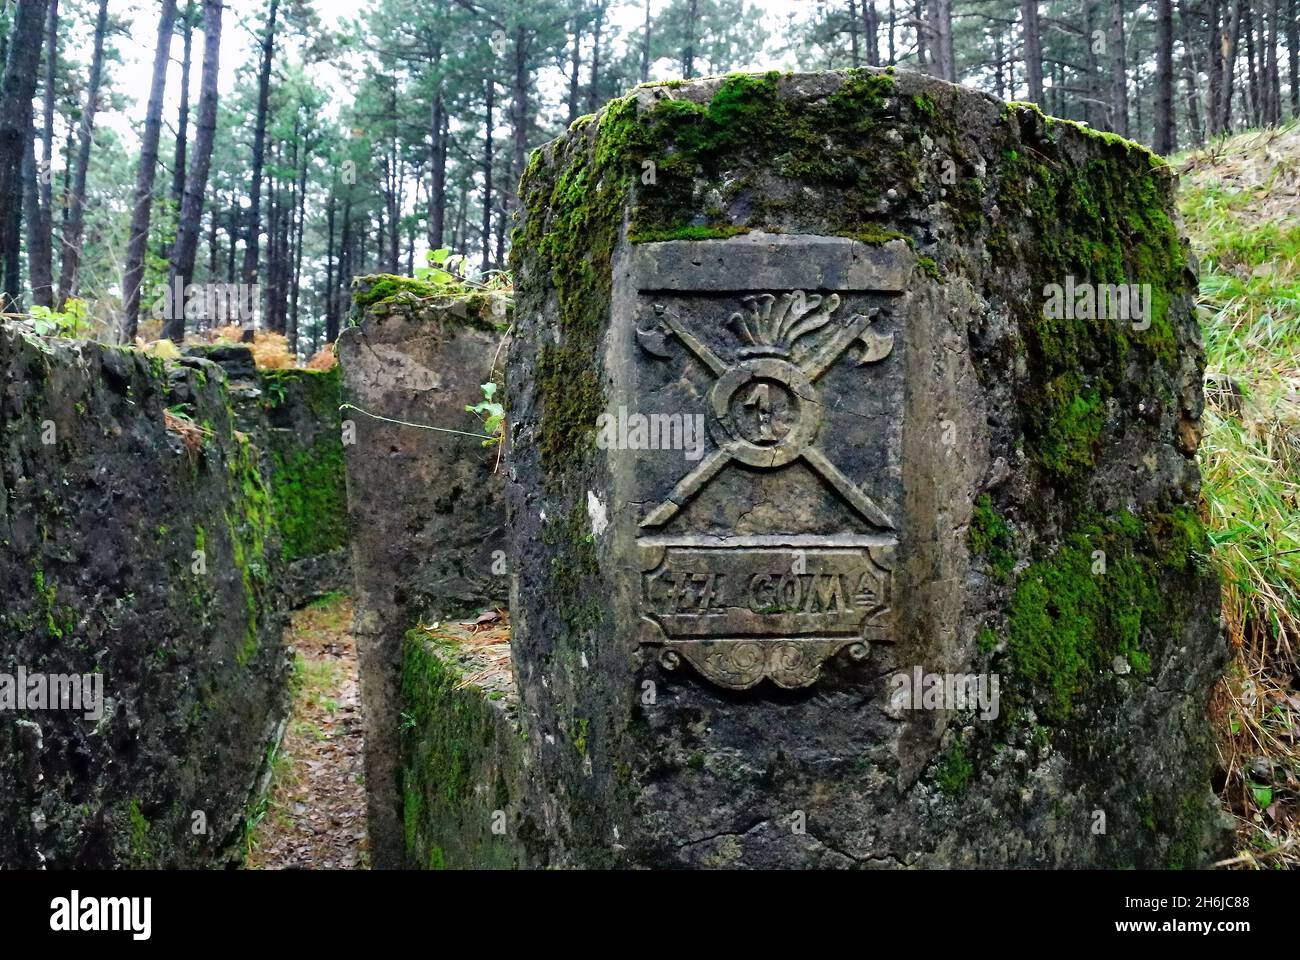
1241,204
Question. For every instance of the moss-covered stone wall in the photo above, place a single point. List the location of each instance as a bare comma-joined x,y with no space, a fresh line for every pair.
464,785
305,446
428,546
137,544
1050,530
293,416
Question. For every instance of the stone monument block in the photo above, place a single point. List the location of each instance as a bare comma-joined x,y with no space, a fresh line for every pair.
425,504
835,539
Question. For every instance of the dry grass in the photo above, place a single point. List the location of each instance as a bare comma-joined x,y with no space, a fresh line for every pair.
1241,203
191,434
270,350
324,359
490,633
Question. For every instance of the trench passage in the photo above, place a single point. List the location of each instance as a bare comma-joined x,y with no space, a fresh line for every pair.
313,815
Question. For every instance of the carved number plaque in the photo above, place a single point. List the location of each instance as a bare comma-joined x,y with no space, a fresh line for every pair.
770,548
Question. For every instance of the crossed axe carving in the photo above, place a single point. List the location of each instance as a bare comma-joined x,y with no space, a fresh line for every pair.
770,359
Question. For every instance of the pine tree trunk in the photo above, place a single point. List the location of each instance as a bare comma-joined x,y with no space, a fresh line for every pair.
71,244
253,217
32,217
331,319
1274,79
941,49
232,238
575,69
343,278
138,236
183,114
213,219
40,229
645,46
196,179
855,51
692,24
522,118
893,25
1194,106
1118,70
1033,49
1293,54
16,91
1163,141
1252,77
872,27
297,249
489,100
918,13
593,84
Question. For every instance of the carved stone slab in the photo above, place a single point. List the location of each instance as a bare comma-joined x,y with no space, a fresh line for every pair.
769,550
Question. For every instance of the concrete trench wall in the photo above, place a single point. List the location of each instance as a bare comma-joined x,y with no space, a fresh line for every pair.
428,545
293,414
148,558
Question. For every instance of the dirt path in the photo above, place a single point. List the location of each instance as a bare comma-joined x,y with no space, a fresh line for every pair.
314,814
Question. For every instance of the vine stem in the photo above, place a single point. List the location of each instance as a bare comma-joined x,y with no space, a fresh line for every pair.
418,426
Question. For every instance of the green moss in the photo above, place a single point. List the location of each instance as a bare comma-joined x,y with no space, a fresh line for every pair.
249,528
955,771
1068,621
572,570
412,813
581,729
427,687
139,845
449,732
876,237
308,485
991,537
464,305
58,622
691,142
1110,212
384,288
687,233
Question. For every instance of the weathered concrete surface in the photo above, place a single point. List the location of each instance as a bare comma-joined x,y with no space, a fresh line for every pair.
426,506
465,790
293,417
132,553
711,665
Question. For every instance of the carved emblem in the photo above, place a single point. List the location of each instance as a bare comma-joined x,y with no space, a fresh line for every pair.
764,407
734,608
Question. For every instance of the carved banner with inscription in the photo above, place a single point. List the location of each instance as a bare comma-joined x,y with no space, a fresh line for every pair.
772,550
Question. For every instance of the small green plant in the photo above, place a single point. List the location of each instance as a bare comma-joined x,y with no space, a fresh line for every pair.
275,393
444,267
491,413
72,321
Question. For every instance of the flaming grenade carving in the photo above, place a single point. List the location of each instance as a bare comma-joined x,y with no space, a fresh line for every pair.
763,408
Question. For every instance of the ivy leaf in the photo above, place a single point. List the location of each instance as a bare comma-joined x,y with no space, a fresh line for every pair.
489,390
